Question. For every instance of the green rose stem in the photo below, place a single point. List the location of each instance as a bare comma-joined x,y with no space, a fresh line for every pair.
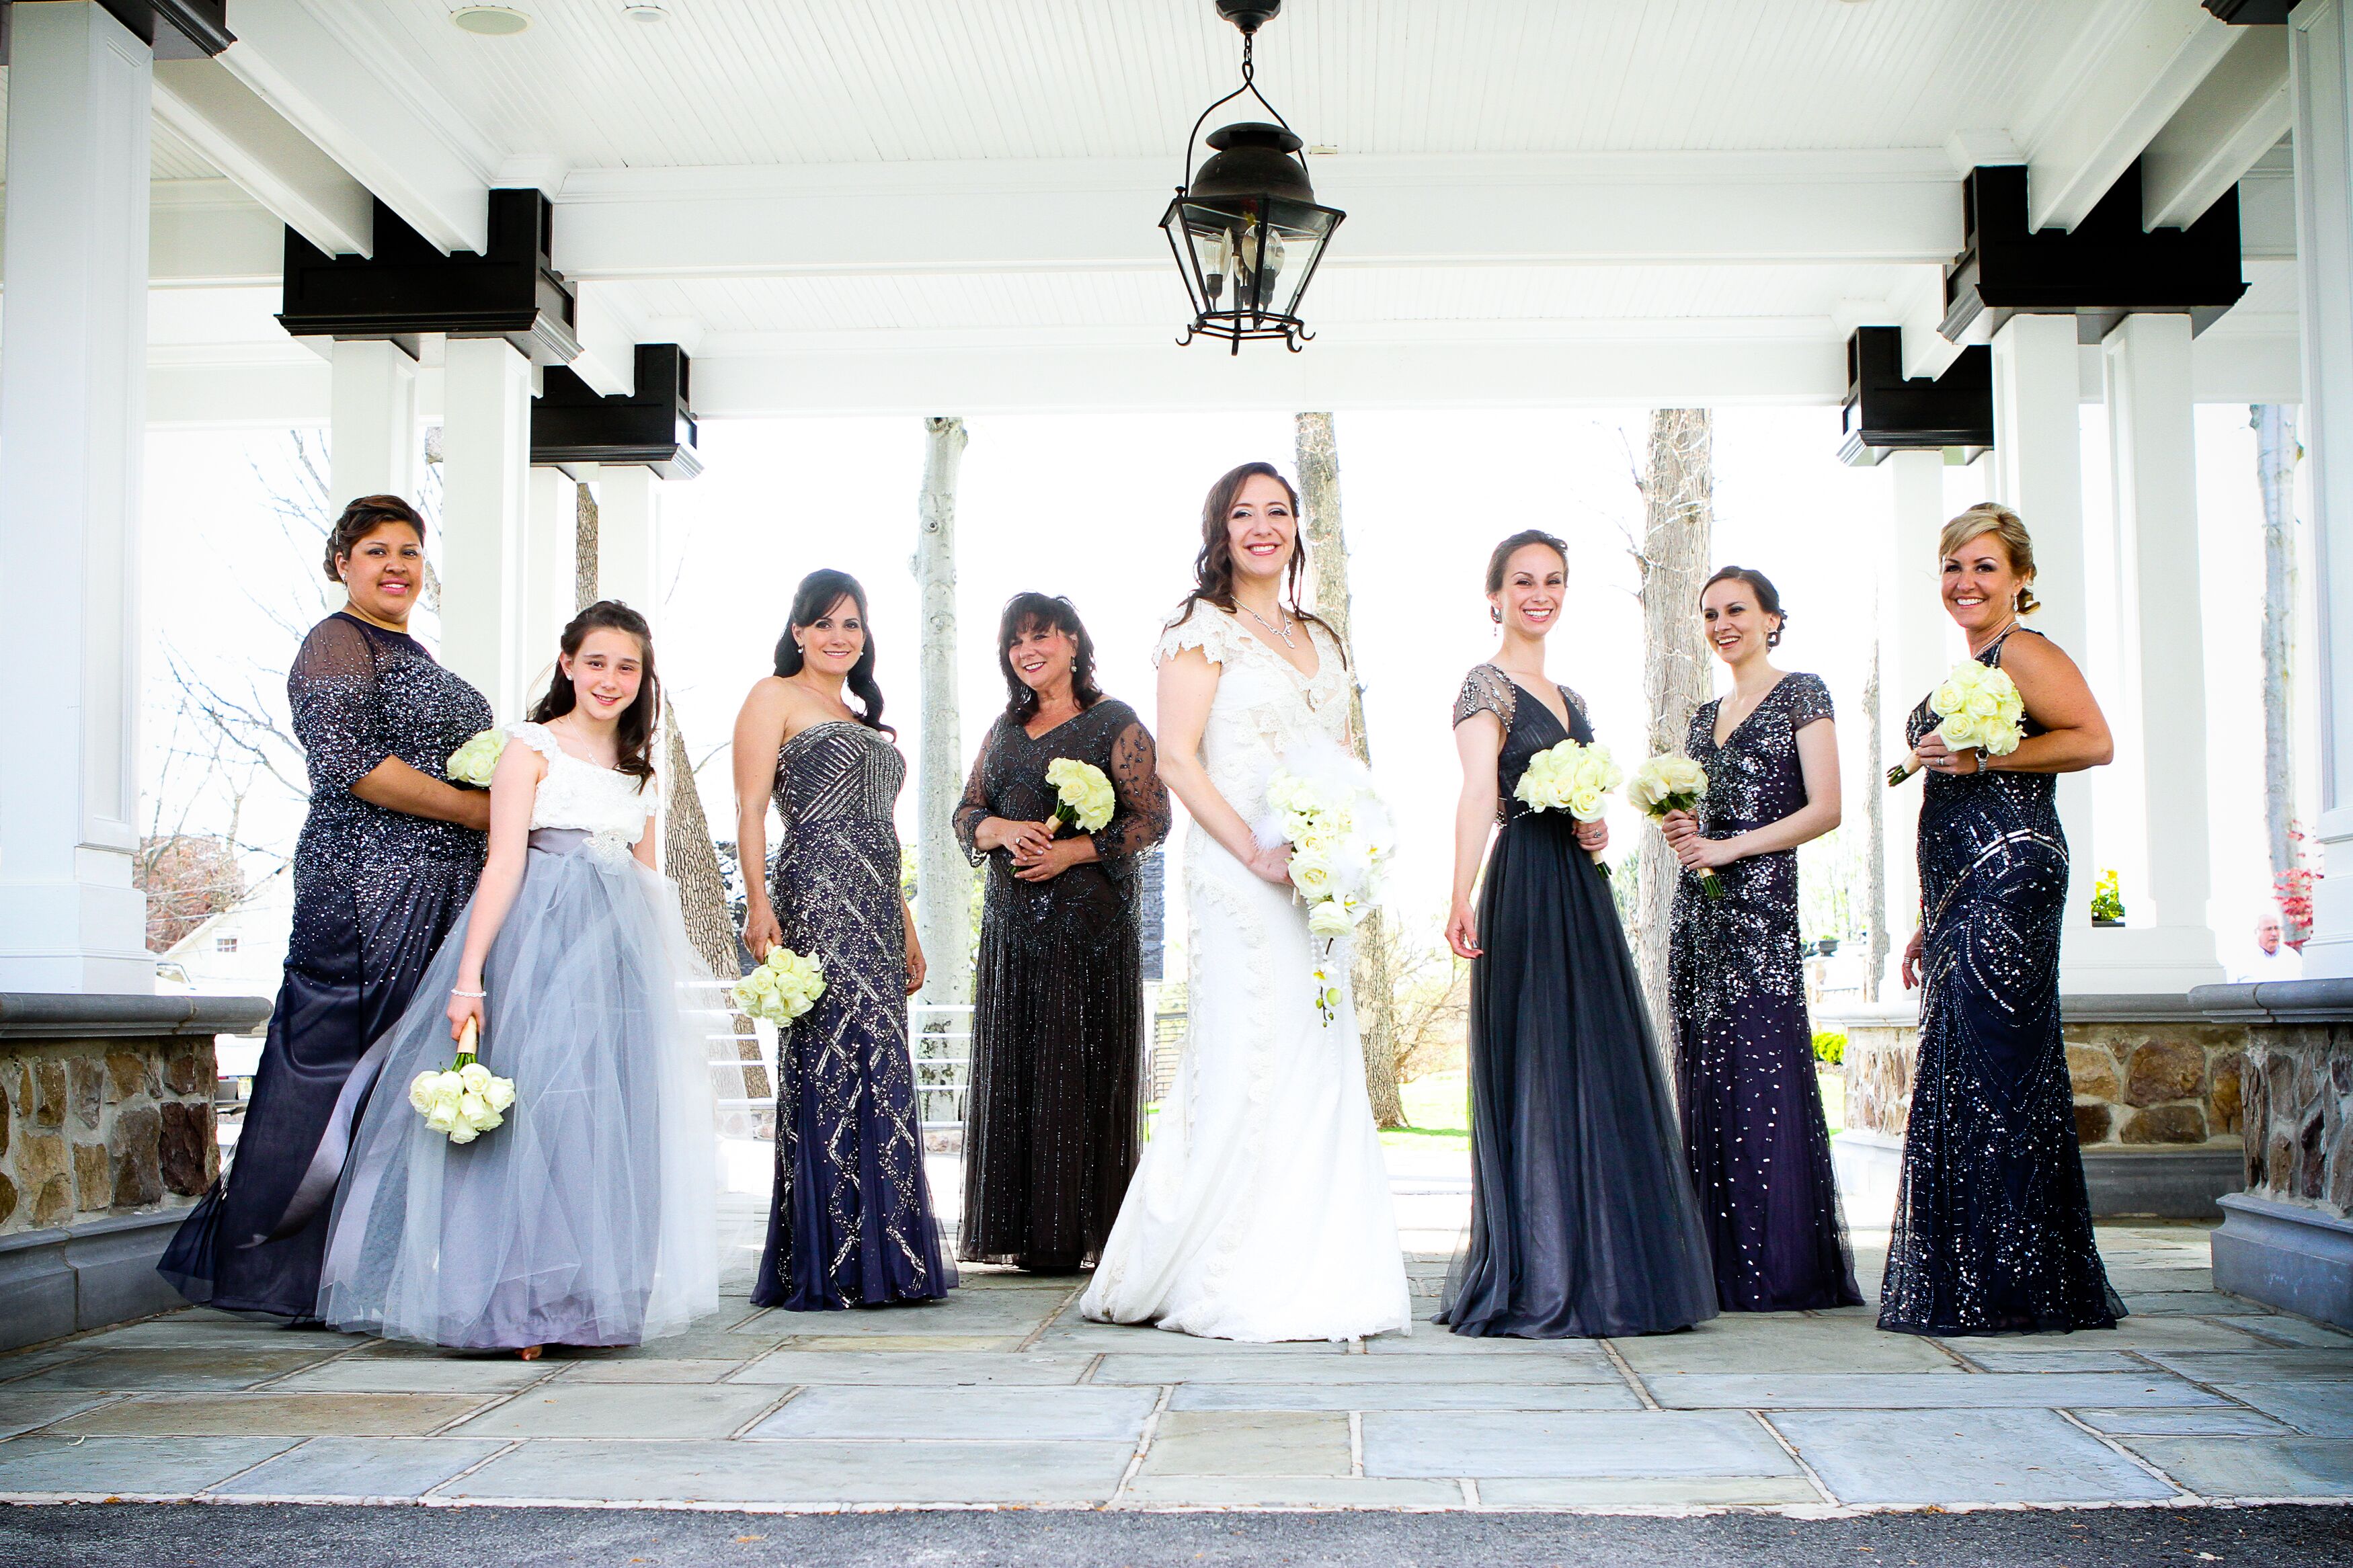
1709,882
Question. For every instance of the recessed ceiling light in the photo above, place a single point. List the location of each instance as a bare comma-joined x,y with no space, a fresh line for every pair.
490,21
644,11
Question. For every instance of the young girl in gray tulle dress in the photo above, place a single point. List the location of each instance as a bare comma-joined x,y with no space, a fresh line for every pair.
586,1218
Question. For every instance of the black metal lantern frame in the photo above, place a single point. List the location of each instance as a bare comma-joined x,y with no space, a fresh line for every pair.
1246,230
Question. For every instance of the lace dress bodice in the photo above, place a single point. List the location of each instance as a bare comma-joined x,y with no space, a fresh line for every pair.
608,804
1264,704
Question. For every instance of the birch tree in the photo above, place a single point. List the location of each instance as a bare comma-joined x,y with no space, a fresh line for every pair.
943,875
1875,816
1678,512
1318,461
2275,455
583,549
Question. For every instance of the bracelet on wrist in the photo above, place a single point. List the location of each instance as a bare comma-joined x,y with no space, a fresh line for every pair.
470,996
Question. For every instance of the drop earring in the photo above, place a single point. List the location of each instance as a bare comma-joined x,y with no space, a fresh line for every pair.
1494,614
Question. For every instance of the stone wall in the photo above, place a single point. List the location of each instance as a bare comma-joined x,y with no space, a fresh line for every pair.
2297,1087
103,1126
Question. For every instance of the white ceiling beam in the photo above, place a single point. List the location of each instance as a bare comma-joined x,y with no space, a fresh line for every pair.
347,88
2237,114
206,233
609,338
267,158
2132,66
1100,215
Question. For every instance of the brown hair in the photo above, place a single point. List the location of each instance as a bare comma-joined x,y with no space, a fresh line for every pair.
1992,517
362,518
1051,613
1768,598
634,736
1503,552
1213,568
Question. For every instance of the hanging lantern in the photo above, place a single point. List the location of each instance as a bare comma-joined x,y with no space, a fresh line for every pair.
1245,228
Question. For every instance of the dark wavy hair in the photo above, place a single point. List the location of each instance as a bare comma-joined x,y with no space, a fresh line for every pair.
362,518
819,592
1047,612
634,739
1213,568
1503,554
1769,599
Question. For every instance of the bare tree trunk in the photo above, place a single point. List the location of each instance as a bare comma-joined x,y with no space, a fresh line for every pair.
943,875
1318,456
584,551
1678,511
1875,814
690,860
2275,455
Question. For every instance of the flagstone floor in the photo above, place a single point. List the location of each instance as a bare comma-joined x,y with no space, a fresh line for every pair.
1003,1396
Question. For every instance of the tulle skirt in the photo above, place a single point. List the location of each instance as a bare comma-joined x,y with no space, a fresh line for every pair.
587,1218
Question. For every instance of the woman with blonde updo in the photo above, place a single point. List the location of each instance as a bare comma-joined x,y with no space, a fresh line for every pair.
1993,1226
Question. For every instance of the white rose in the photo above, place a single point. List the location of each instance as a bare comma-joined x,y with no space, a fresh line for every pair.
1330,918
421,1089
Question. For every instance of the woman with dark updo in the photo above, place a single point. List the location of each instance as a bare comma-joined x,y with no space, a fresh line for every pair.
387,859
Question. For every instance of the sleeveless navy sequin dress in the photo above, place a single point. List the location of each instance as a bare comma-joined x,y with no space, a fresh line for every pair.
1752,1109
1993,1226
1582,1223
852,1221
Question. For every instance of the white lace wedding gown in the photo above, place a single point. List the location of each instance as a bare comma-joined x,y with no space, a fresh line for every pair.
1260,1210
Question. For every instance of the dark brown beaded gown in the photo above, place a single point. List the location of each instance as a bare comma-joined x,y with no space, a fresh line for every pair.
1052,1122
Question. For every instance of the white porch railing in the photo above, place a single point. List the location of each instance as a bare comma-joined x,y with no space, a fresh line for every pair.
939,1042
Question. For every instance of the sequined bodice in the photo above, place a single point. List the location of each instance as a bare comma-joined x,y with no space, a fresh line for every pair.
1529,727
2002,799
1264,703
837,771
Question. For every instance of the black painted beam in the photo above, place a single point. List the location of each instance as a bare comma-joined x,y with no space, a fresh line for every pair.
2105,268
2252,13
408,288
652,426
1886,413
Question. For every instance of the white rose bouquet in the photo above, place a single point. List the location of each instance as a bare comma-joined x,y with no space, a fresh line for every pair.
1321,803
464,1101
1977,706
783,987
1673,782
1572,778
477,760
1084,798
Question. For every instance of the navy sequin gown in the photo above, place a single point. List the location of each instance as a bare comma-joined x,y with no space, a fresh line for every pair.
852,1221
1752,1111
1052,1122
1993,1226
375,892
1582,1223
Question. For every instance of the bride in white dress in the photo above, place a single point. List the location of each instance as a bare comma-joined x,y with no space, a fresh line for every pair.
1260,1210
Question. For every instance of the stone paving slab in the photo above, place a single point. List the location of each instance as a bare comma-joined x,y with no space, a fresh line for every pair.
1003,1414
1453,1395
1876,1390
1651,1444
1348,1369
1621,1492
2177,1332
1995,1357
901,1344
1956,1456
944,1371
1740,1342
128,1466
359,1469
22,1411
174,1370
996,1313
2258,1365
2253,1467
449,1374
1437,1340
2201,1301
2293,1331
648,1372
622,1410
800,1472
1290,1492
1122,1338
1260,1443
2223,1421
2318,1409
272,1414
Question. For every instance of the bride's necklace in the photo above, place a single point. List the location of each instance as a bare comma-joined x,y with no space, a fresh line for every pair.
1282,631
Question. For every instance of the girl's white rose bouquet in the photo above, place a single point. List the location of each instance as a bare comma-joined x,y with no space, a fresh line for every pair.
1321,803
477,760
1673,782
1978,706
464,1101
1084,798
781,987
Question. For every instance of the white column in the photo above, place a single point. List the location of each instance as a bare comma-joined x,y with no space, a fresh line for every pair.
372,446
1913,657
629,527
73,319
486,473
2039,474
551,539
2161,703
2320,71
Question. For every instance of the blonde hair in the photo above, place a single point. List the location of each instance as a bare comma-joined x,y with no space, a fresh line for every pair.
1992,517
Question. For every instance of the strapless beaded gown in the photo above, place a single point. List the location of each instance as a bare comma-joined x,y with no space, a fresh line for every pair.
852,1221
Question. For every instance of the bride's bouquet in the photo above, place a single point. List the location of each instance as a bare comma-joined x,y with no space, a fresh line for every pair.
1673,782
782,987
477,760
1321,803
1977,706
463,1100
1083,798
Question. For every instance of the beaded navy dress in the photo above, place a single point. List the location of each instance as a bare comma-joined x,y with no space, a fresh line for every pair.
1754,1133
852,1221
1993,1226
1052,1119
375,892
1582,1223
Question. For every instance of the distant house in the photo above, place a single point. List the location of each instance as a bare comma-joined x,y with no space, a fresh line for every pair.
240,952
